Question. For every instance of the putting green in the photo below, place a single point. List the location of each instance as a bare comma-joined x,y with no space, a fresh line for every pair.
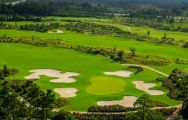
102,85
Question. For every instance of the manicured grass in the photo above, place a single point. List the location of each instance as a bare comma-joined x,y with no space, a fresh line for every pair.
26,57
160,33
102,85
171,52
92,84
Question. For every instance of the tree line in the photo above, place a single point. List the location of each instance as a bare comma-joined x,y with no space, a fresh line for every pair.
39,27
86,27
55,9
15,17
177,83
21,99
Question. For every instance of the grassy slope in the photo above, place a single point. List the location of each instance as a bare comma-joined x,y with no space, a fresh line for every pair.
25,58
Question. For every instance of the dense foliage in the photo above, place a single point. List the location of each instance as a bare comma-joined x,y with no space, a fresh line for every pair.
43,27
112,108
138,69
57,9
119,108
84,27
24,99
20,18
177,83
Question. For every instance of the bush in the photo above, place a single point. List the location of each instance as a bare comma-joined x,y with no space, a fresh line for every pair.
138,69
111,108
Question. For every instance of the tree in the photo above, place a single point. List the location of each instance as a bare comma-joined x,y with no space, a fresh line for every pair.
170,21
5,71
9,101
120,56
153,115
148,34
184,110
62,115
48,102
164,37
133,51
144,103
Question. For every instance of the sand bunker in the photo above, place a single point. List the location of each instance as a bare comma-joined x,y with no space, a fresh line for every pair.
66,92
61,77
121,73
146,87
127,101
57,31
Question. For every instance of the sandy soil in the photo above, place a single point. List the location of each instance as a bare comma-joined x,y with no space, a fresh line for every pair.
127,101
61,77
57,31
66,92
121,73
146,87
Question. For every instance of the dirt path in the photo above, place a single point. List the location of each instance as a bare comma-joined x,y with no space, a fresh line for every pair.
157,71
155,108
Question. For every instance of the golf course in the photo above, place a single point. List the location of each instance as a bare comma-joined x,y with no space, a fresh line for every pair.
93,60
85,79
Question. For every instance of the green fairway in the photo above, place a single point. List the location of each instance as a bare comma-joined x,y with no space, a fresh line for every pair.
90,68
171,52
92,84
102,85
160,33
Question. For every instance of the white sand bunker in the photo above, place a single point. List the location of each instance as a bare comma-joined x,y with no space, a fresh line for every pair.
61,77
57,31
121,73
146,87
127,101
66,92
